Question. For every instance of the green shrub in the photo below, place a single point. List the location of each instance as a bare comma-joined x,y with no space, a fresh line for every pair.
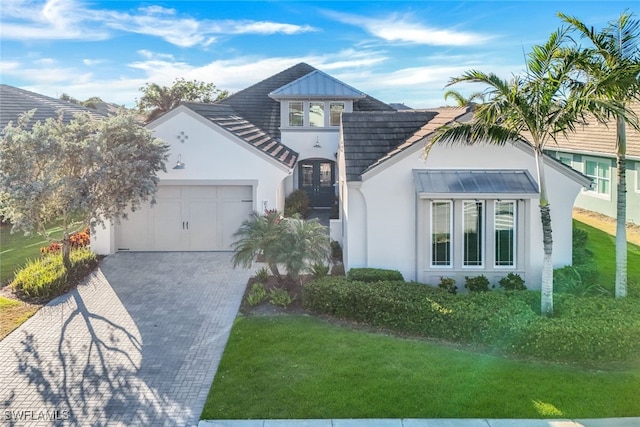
584,330
257,294
374,275
262,274
512,282
448,284
297,203
46,277
568,280
336,252
477,284
319,270
279,297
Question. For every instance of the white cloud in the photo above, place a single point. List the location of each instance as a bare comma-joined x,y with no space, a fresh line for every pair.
402,29
76,20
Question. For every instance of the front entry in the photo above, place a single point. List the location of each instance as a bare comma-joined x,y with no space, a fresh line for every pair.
316,178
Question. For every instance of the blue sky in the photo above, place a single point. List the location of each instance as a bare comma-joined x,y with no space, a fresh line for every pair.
395,51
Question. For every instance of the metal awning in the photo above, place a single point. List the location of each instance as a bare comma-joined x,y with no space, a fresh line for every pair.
477,184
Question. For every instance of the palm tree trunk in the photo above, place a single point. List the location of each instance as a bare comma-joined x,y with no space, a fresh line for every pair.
621,214
66,250
546,301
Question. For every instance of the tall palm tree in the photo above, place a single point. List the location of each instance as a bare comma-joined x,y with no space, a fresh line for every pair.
613,67
463,101
536,107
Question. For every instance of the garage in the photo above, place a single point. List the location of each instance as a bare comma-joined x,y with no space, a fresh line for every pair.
187,218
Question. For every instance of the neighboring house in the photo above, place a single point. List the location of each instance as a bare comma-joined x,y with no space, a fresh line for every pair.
15,102
462,211
592,150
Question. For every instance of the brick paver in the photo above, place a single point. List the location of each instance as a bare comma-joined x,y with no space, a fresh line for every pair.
137,344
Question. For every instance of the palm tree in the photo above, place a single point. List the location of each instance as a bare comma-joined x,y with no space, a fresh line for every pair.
460,99
613,66
533,108
258,236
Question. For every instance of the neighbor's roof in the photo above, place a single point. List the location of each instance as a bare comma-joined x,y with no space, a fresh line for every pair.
371,138
434,183
15,102
255,105
316,84
225,117
598,138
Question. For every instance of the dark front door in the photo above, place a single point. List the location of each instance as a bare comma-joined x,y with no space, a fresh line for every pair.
316,177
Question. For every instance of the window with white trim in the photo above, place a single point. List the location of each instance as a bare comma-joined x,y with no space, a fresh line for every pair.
505,233
441,233
567,159
335,110
473,229
316,114
296,113
599,173
313,114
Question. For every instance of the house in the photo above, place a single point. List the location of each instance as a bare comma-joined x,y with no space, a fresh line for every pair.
460,211
592,151
15,101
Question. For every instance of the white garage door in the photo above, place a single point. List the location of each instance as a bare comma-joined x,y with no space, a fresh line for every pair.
187,218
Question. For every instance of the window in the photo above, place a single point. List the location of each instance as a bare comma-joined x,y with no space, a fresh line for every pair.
567,159
316,114
599,173
504,225
335,109
441,221
296,113
472,227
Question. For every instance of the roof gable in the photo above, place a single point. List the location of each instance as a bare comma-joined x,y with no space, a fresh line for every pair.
316,85
15,102
225,117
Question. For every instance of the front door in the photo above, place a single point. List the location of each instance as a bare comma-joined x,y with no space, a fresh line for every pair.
316,178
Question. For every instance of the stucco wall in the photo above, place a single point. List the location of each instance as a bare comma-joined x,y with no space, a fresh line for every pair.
388,210
211,156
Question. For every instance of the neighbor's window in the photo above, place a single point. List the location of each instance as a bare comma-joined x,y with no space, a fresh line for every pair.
567,159
599,173
316,114
472,213
335,109
441,220
504,223
296,113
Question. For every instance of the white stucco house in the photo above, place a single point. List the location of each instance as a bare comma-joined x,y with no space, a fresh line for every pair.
458,212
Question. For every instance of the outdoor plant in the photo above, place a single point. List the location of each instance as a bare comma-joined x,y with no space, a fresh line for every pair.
292,242
319,270
512,282
262,274
47,277
477,283
569,281
297,203
374,275
279,297
257,294
448,284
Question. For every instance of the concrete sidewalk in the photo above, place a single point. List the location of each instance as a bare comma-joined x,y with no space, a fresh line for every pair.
436,422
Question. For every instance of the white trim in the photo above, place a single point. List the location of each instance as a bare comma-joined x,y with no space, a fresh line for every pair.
514,251
483,239
592,191
451,236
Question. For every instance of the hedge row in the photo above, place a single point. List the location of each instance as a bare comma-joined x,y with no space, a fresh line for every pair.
584,330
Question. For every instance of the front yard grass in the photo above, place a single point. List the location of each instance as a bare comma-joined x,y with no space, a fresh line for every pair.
303,367
13,313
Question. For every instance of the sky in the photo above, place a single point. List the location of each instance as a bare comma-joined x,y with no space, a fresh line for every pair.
395,51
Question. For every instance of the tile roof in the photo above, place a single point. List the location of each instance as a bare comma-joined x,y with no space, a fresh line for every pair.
316,84
371,138
598,138
15,101
255,105
227,118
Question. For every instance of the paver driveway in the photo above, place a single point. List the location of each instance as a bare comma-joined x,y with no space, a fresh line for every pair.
137,344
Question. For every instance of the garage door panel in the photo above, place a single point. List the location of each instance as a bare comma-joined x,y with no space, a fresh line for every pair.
188,218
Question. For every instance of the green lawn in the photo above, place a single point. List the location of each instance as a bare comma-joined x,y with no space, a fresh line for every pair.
13,313
16,248
302,367
603,247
